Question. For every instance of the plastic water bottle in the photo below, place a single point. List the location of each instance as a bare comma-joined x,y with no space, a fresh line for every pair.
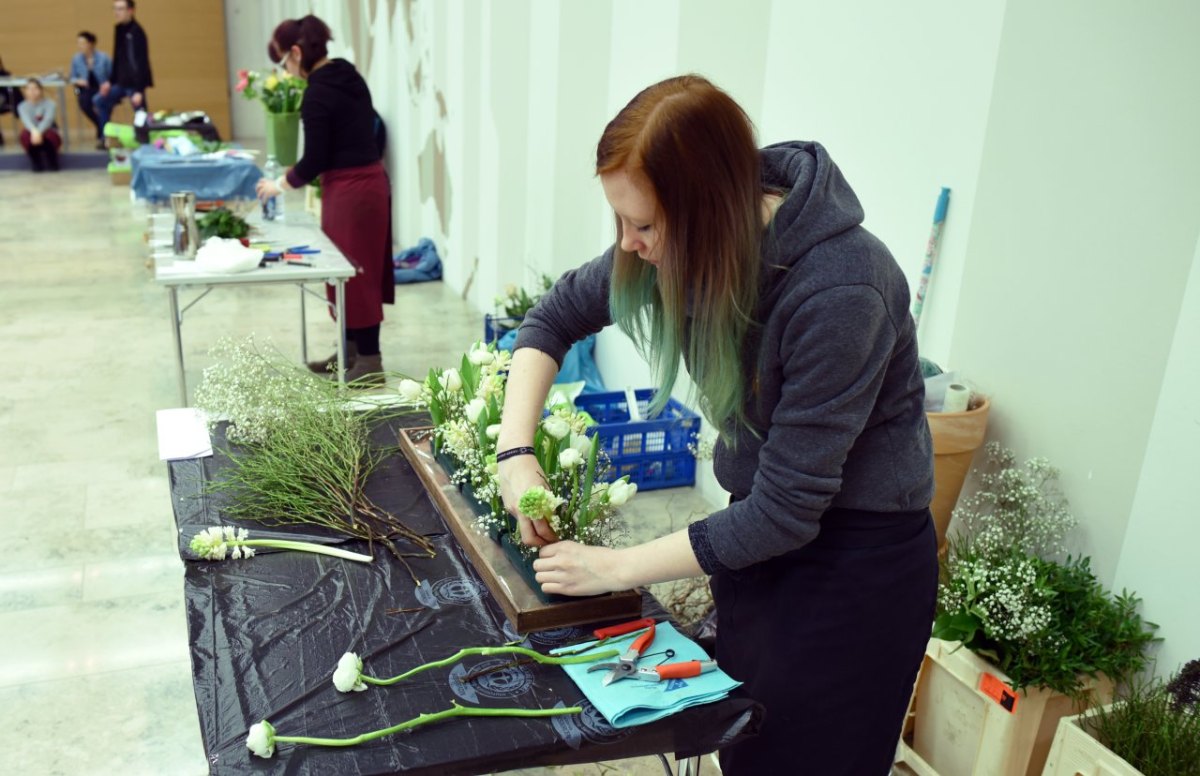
272,208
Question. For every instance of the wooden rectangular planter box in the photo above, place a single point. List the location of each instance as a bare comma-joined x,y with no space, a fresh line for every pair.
956,729
523,607
1076,753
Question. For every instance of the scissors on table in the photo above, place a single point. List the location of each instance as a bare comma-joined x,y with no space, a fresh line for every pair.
626,666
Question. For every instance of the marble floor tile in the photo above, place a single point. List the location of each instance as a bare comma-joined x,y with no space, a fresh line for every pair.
91,637
128,501
140,721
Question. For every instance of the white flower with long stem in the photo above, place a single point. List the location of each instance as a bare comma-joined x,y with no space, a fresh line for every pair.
215,542
493,431
261,739
347,677
480,355
582,443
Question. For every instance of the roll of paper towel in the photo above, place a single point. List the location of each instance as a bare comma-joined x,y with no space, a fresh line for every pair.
957,398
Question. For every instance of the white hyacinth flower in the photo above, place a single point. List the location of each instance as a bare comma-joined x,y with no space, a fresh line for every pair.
474,409
556,427
493,431
213,543
261,740
621,491
410,390
347,676
569,458
451,380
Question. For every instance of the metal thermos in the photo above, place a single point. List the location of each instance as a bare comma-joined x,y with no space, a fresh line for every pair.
187,236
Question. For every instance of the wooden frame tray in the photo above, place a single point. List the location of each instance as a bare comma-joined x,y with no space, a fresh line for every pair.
520,603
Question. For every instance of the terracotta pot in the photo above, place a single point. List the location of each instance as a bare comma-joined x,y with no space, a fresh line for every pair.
956,437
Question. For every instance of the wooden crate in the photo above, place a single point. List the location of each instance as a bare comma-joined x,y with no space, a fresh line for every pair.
955,728
1076,753
520,603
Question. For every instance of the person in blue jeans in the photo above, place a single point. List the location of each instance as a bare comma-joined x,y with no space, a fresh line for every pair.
131,74
89,69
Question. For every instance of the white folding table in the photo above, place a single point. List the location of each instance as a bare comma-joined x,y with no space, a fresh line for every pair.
328,266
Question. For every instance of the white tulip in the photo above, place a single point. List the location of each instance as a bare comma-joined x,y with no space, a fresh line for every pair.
620,492
450,380
410,390
348,674
556,427
474,409
493,431
569,458
582,443
261,739
481,356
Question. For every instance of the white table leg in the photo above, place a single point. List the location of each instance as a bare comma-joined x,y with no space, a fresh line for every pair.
176,322
340,295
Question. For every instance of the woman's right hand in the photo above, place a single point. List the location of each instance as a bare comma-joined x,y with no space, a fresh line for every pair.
518,475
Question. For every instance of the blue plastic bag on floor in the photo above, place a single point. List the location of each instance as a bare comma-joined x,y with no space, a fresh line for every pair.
579,365
418,264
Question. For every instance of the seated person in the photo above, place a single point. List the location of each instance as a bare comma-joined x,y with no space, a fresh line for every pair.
89,69
39,133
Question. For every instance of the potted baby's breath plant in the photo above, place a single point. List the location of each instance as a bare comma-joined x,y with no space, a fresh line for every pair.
1153,730
1020,621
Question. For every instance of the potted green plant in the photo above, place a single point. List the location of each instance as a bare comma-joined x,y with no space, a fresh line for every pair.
1153,730
1024,633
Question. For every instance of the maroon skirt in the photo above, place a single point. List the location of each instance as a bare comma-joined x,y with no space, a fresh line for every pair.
356,214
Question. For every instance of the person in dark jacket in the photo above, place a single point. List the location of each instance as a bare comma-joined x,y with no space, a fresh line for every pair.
131,74
753,268
356,211
89,69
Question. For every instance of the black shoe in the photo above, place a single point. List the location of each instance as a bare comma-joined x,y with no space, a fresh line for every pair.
101,145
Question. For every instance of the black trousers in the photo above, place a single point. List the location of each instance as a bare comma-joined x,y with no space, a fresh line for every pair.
87,108
829,638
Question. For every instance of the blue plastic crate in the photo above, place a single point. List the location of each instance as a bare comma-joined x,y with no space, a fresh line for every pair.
496,326
654,453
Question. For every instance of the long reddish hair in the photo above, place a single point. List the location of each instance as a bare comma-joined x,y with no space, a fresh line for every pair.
696,147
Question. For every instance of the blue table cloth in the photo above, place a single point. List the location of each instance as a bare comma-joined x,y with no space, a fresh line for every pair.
157,174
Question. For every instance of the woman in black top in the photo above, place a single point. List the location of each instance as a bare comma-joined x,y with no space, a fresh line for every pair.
339,146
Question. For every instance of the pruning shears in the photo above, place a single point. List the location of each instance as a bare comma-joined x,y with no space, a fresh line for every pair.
606,635
626,666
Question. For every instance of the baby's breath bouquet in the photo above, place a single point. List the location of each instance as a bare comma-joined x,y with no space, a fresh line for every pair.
465,404
1010,593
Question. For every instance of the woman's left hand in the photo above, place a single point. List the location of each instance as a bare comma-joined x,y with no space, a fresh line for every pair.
570,568
266,188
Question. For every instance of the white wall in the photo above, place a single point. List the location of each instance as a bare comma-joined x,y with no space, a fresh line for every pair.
1065,131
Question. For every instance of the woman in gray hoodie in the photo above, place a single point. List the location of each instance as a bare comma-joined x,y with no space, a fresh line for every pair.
752,266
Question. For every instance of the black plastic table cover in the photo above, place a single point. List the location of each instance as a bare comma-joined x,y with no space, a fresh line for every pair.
266,635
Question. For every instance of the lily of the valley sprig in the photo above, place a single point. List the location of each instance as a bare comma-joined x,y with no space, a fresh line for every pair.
216,542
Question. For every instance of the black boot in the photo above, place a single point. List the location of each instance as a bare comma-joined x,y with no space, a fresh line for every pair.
36,159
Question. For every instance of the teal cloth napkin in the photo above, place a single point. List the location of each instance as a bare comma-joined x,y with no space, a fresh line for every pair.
630,702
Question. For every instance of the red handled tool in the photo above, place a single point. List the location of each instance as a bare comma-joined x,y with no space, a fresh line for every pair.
684,670
627,663
608,634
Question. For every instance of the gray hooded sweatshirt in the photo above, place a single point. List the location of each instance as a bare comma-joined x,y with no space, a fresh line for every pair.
839,404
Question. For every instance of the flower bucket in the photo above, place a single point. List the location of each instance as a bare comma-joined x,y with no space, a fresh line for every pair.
1075,751
956,437
283,137
965,722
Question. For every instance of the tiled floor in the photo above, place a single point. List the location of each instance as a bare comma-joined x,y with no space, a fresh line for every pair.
94,672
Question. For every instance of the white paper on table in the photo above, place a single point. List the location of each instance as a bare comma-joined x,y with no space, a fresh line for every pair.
183,434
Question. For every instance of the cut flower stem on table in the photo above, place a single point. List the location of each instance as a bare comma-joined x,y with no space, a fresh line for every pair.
216,542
